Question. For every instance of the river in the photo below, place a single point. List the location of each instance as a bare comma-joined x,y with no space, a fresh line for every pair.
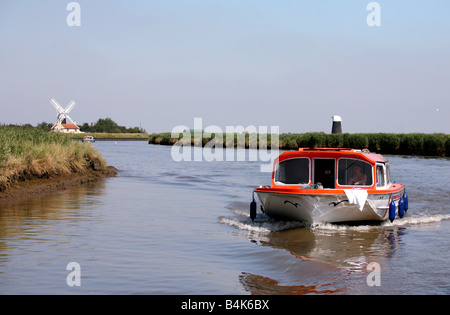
167,227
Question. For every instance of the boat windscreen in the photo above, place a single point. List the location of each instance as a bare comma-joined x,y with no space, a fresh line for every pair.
292,172
353,172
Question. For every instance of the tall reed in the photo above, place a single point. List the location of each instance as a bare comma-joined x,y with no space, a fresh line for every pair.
436,144
27,152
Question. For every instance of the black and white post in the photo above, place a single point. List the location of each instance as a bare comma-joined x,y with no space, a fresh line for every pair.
337,127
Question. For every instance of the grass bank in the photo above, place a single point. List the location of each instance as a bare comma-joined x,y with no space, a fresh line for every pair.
28,153
436,144
108,136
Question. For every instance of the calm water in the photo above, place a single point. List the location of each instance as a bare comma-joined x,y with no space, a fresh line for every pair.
165,227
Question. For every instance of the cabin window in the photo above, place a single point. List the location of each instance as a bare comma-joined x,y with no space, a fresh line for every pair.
381,180
354,172
388,173
324,172
292,172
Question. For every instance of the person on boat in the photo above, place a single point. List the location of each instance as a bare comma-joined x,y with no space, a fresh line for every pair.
358,178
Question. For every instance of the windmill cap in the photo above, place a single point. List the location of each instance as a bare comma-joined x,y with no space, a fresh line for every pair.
337,118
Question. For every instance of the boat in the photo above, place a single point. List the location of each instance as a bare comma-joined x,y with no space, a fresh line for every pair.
331,185
88,139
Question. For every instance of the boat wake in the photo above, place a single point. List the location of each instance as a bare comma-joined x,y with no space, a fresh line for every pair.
263,224
419,220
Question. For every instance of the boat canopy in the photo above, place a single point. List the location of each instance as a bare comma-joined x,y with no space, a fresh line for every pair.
331,168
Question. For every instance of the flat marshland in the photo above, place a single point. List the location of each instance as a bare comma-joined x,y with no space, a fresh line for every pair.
28,153
420,144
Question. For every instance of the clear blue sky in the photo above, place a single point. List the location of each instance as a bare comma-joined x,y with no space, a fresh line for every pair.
286,63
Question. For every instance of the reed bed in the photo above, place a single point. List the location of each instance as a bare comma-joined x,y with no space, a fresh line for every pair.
436,144
111,136
27,153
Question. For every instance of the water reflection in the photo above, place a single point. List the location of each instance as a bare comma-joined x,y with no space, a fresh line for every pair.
29,218
348,248
335,256
324,258
259,285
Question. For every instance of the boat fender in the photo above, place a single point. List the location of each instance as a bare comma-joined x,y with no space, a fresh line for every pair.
253,208
392,211
401,207
405,200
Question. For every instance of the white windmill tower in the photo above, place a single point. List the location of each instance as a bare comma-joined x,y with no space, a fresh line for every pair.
61,124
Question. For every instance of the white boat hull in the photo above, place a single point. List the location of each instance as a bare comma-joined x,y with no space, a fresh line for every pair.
329,208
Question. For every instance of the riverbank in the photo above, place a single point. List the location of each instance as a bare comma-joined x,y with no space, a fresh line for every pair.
421,144
104,136
33,161
44,186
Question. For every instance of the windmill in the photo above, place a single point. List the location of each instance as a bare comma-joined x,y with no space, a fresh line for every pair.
63,113
61,124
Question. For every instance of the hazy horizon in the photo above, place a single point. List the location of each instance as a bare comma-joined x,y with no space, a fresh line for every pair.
291,63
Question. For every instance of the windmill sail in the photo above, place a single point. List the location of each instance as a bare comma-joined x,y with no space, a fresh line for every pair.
69,107
63,113
58,107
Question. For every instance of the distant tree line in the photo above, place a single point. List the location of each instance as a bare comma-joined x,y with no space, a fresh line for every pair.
110,126
102,125
434,144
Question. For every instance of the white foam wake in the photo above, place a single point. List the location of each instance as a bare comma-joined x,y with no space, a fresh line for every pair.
414,220
418,220
263,224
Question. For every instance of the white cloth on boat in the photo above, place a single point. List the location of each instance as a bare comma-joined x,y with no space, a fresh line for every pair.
356,196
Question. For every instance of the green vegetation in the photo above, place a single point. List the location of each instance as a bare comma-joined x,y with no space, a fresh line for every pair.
109,126
27,152
103,125
437,144
111,136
